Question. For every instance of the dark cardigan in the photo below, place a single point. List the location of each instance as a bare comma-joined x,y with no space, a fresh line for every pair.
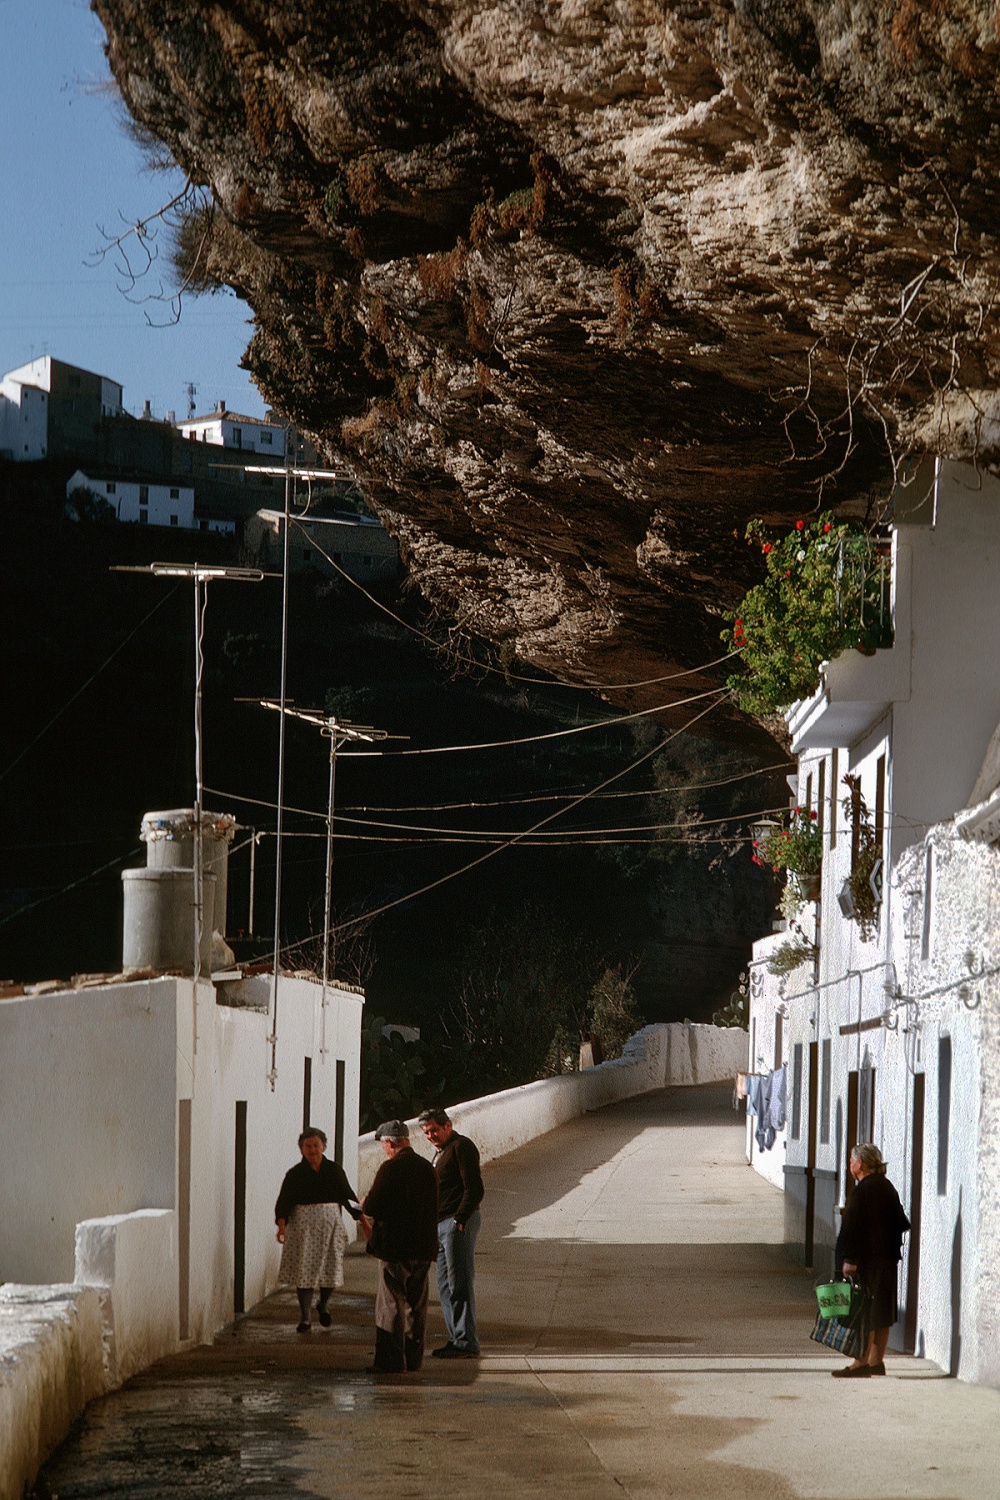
303,1185
871,1238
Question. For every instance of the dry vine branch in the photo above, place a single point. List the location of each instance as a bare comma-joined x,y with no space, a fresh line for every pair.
132,271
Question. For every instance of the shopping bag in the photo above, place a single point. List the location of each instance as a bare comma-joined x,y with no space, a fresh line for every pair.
835,1298
847,1334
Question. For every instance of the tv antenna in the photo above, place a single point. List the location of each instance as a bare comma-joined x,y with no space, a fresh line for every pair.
192,391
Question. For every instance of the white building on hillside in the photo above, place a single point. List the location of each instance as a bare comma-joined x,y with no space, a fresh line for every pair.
890,1036
73,401
229,429
145,503
24,421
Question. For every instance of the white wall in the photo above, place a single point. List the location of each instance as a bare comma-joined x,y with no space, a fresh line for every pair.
231,431
87,1096
657,1057
166,504
24,421
231,1063
50,1367
131,1261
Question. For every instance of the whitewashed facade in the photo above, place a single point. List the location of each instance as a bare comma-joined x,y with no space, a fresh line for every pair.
155,1097
140,501
24,421
893,1039
230,429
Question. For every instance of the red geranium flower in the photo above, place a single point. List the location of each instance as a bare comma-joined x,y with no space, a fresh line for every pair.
800,525
827,526
766,548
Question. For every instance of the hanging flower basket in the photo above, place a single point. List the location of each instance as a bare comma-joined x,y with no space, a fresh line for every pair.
824,591
796,847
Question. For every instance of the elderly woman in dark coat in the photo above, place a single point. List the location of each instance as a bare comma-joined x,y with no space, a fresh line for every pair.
310,1229
869,1246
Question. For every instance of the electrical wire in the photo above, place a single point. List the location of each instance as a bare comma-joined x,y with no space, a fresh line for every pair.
694,786
535,739
54,895
471,661
518,838
70,701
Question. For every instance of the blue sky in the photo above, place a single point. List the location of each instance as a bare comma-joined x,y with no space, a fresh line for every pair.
67,167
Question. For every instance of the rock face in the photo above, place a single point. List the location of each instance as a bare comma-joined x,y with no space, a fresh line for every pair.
578,287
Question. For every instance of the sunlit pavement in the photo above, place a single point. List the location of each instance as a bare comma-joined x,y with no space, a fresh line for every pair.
644,1334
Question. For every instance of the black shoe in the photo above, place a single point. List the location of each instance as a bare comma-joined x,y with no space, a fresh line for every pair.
452,1351
325,1317
443,1352
304,1327
878,1369
852,1372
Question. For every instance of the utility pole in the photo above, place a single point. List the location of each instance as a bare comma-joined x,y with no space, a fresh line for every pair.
201,574
338,732
290,472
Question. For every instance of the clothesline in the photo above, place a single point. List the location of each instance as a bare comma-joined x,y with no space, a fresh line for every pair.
766,1095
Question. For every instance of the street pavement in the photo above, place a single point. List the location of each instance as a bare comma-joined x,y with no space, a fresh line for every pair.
645,1334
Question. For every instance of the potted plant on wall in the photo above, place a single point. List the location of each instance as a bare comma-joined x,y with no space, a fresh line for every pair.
795,847
823,593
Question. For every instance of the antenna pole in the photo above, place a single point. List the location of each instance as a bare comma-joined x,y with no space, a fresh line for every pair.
273,1038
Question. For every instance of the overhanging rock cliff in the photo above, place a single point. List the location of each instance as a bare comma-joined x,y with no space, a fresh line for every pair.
579,287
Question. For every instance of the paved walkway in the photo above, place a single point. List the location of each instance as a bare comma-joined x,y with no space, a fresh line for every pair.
645,1335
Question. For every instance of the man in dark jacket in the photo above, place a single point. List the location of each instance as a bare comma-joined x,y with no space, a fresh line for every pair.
400,1219
460,1192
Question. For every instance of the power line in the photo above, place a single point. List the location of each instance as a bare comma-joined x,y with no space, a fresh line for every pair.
553,734
490,853
54,895
694,786
70,701
471,661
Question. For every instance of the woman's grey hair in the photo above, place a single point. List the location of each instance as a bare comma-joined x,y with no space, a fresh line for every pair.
311,1131
870,1157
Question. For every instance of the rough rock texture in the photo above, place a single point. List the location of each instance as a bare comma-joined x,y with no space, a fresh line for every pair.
579,286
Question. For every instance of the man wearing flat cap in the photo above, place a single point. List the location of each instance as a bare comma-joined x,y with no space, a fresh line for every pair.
400,1220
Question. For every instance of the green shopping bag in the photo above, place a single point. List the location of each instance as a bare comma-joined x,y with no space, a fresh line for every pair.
834,1298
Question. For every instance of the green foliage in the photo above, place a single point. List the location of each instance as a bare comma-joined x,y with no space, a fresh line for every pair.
737,1011
522,982
333,199
798,950
89,507
613,1015
796,846
821,596
395,1082
865,859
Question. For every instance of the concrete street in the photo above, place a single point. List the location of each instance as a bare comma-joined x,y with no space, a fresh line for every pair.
645,1334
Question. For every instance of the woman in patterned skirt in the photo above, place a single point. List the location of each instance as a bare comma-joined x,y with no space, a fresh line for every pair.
310,1229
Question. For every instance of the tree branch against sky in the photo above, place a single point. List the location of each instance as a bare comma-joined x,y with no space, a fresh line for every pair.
74,166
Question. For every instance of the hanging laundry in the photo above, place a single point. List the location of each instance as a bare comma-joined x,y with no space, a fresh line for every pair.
755,1083
765,1133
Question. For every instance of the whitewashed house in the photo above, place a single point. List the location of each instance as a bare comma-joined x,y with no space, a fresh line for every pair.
231,429
893,1039
24,421
141,501
62,406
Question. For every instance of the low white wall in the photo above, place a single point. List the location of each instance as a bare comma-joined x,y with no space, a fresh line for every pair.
132,1260
663,1056
50,1367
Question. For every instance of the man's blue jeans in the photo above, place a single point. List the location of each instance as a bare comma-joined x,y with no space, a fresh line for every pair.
456,1276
